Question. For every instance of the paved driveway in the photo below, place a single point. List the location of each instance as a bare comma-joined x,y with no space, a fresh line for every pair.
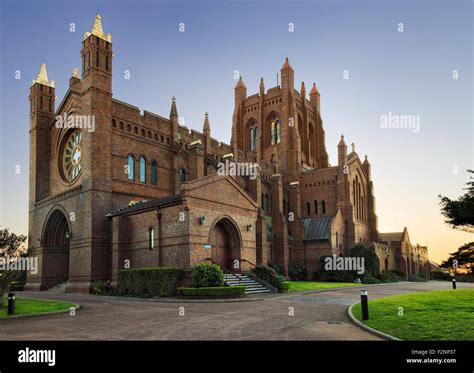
293,316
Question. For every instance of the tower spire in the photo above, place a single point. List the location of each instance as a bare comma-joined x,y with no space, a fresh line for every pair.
42,77
97,30
206,126
174,110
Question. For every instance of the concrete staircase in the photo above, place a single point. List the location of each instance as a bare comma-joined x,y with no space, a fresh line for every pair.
60,288
251,286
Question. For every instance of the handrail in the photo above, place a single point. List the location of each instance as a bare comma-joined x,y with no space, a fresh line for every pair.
244,260
225,270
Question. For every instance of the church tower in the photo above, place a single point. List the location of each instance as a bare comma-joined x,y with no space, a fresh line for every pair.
280,126
42,107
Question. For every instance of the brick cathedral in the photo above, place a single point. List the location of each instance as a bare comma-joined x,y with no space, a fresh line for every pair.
140,190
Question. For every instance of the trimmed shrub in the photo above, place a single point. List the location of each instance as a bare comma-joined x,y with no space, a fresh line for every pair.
440,275
161,281
415,278
213,292
277,267
206,275
387,277
297,271
269,275
397,272
371,261
334,275
102,288
370,280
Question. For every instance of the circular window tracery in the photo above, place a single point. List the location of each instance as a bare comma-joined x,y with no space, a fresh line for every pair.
72,155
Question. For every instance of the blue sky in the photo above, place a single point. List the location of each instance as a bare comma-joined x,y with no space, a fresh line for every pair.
408,73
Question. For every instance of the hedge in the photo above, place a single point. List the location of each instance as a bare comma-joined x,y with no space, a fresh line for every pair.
206,275
270,275
161,281
213,292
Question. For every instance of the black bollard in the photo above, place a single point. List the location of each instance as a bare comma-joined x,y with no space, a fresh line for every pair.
364,304
454,283
11,304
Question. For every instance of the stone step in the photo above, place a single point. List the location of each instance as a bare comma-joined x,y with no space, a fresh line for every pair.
251,286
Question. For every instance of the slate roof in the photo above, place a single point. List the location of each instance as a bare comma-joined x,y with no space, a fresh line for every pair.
391,236
317,228
146,205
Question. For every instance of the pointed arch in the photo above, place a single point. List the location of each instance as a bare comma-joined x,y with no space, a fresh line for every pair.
142,169
272,129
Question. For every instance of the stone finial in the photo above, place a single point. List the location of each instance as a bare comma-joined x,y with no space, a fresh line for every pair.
97,30
42,77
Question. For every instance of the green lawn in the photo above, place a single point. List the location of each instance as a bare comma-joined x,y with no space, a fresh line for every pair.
433,315
315,285
26,306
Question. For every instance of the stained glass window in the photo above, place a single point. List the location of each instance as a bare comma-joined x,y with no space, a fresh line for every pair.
142,169
72,155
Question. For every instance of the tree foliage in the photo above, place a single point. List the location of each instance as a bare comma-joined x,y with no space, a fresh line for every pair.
11,245
459,214
462,259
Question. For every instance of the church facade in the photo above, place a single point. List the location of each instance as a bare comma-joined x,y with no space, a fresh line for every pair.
113,188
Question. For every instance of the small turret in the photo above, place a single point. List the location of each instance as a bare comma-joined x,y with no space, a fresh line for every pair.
262,87
341,152
287,75
303,91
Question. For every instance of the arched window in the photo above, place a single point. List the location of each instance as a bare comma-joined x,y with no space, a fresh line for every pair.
316,207
278,131
275,131
323,206
272,133
253,132
129,127
131,165
142,169
308,208
154,173
114,124
182,175
151,238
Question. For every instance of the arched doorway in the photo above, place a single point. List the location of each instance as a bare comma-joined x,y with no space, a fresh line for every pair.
55,242
225,243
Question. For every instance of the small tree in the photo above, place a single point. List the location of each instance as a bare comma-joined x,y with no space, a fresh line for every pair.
371,261
462,259
11,245
459,214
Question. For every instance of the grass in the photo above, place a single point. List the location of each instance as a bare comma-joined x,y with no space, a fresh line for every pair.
433,315
25,306
315,285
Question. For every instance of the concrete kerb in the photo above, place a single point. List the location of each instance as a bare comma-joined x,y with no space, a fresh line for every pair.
368,328
75,305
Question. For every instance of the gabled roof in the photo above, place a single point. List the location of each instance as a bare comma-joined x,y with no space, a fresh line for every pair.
146,205
391,236
317,228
